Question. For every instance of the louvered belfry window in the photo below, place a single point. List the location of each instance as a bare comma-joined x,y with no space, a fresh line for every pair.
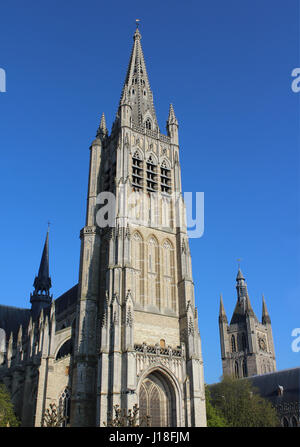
137,172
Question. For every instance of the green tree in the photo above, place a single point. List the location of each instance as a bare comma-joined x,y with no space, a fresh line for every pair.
7,414
213,415
241,405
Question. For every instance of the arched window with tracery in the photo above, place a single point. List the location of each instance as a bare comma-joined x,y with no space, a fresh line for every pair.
64,403
236,369
156,402
148,124
137,264
169,276
233,343
244,342
153,263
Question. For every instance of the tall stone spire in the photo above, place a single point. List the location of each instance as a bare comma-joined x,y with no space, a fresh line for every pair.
42,283
137,89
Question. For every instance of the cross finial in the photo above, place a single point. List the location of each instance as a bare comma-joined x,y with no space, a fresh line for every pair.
239,262
137,22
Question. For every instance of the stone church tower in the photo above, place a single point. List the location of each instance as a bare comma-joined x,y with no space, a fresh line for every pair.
137,339
247,347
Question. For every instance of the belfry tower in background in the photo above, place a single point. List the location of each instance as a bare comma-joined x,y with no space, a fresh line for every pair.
247,347
137,338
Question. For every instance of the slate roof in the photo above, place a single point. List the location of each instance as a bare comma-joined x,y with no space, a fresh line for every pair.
66,300
12,317
268,385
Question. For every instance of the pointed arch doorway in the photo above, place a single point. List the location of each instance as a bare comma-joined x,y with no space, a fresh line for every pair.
157,401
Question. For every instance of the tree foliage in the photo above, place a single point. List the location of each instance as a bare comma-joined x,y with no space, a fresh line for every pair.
241,405
214,416
7,414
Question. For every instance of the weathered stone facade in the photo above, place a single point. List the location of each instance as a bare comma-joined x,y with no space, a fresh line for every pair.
128,333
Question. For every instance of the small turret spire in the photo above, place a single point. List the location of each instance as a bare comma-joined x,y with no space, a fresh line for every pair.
172,126
243,306
222,313
172,118
102,129
265,314
241,286
42,282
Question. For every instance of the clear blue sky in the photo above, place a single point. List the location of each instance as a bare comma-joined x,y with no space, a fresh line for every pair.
226,67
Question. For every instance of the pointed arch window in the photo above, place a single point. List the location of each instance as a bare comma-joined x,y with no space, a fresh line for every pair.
236,370
244,342
233,343
153,271
169,295
148,124
137,263
64,406
156,403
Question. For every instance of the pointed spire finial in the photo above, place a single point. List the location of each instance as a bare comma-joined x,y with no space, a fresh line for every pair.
137,34
102,129
172,118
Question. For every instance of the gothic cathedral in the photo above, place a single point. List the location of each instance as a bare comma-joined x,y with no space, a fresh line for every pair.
247,347
137,339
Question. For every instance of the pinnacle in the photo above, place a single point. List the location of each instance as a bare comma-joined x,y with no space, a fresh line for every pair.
103,122
222,313
102,129
265,314
172,118
222,310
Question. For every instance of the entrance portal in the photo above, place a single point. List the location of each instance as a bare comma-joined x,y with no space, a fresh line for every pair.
157,401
